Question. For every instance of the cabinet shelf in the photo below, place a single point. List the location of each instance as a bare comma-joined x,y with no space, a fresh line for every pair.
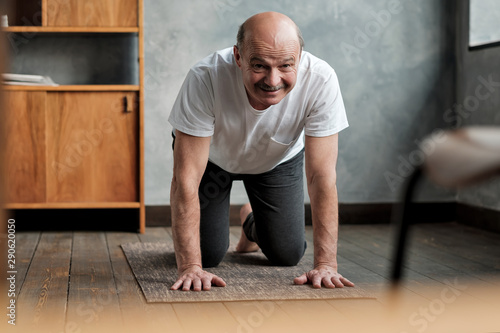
101,87
33,29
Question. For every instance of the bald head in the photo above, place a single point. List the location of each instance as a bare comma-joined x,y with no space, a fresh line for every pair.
268,53
268,26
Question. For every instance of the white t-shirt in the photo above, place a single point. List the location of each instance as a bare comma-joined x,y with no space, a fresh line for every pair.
213,102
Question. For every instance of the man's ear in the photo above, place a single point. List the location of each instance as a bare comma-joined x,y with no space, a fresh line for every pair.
237,56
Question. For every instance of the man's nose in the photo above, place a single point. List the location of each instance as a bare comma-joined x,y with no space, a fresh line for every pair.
273,77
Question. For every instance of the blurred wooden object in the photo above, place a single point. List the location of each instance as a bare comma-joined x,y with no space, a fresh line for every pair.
3,218
464,156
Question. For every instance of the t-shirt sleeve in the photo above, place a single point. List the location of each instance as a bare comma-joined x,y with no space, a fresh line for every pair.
192,112
327,115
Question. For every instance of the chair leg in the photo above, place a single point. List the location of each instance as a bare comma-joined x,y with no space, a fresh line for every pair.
403,219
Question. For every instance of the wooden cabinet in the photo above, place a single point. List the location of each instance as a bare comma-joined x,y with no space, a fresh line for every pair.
91,147
77,146
92,13
24,152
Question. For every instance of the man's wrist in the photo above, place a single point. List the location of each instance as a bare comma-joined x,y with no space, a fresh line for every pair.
331,264
186,267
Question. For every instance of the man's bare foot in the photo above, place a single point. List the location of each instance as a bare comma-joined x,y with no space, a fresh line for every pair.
244,245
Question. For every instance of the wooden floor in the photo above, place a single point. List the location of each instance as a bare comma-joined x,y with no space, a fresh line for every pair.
81,282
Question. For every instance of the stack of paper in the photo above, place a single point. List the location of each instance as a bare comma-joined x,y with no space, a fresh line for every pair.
27,80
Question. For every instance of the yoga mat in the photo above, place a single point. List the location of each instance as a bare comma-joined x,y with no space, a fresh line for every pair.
248,276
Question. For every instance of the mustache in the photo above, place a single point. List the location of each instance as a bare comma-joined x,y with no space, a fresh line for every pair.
270,88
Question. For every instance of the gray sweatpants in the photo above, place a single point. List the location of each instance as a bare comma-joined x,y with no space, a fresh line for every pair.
276,223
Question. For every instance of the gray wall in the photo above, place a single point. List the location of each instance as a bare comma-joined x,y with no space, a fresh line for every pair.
396,75
394,58
473,65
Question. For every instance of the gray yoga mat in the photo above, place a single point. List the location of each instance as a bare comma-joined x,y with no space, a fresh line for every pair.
248,277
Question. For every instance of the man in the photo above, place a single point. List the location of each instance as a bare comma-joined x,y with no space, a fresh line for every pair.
242,114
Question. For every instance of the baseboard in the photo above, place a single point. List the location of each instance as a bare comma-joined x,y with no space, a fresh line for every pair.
159,216
373,213
88,219
370,213
484,218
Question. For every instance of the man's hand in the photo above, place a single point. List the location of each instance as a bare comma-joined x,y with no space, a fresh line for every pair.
197,278
325,275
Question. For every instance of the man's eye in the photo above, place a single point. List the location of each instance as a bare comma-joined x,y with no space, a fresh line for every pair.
258,66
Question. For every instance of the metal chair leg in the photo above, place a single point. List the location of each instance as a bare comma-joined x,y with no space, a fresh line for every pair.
403,219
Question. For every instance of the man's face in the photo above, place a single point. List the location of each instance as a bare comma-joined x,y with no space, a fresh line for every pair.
269,70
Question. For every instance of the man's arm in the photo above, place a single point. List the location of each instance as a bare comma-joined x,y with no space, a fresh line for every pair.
321,158
190,161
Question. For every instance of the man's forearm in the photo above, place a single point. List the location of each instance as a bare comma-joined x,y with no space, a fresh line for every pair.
185,227
324,207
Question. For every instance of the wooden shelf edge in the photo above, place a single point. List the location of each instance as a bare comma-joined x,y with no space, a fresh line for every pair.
72,205
102,87
41,29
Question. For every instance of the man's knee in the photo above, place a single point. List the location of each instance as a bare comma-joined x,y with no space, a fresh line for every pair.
212,257
287,255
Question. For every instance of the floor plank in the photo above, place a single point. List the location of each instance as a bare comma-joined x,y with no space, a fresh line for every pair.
42,299
420,273
430,253
92,300
469,243
155,234
435,262
135,310
26,244
425,276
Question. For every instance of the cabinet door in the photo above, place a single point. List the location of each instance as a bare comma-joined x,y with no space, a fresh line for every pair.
24,146
92,147
92,13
